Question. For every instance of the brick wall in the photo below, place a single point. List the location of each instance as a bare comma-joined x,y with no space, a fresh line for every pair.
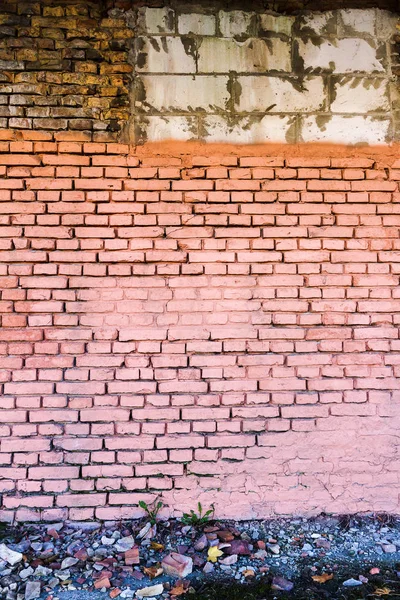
204,323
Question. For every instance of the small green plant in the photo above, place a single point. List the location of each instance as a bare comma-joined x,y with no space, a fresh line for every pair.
198,519
151,510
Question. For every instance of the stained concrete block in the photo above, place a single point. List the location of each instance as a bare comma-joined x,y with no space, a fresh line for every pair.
345,130
359,95
386,24
278,24
281,95
249,130
317,23
158,129
197,24
220,55
353,21
186,92
341,55
164,54
236,22
156,20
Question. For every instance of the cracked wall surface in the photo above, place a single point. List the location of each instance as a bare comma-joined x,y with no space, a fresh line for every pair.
197,326
187,319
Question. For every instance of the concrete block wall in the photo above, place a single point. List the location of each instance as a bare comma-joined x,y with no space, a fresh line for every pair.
247,77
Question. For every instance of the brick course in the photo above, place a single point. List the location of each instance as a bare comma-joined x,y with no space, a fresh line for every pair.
213,324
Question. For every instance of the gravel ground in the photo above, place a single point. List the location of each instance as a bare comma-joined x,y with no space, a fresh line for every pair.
325,557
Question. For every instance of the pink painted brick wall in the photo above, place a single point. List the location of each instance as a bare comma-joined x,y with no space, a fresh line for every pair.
221,327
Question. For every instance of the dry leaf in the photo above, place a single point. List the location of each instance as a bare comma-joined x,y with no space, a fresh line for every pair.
153,572
213,553
248,573
382,591
178,590
322,578
156,546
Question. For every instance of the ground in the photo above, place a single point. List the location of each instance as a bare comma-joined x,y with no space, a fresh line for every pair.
322,558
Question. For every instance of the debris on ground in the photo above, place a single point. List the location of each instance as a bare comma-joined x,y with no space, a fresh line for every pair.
169,559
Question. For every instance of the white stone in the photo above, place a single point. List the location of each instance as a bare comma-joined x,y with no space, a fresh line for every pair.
197,24
156,20
152,590
186,92
317,23
260,93
345,130
217,55
278,24
360,95
353,21
248,130
32,590
340,56
164,55
235,22
10,556
171,128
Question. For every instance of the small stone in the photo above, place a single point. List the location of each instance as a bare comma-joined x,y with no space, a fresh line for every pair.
225,536
177,565
229,560
106,541
238,547
363,579
114,593
322,543
282,584
10,556
274,548
144,531
153,590
261,545
374,571
352,582
25,573
32,590
132,556
201,543
389,548
103,582
208,568
54,527
124,544
68,562
81,554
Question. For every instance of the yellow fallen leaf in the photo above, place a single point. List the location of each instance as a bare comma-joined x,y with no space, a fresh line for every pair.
156,546
382,591
322,578
213,553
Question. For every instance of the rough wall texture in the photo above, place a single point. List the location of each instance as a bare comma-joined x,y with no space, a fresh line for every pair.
144,74
205,327
255,77
203,323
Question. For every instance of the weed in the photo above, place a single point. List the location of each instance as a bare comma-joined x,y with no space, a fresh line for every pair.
198,519
151,510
